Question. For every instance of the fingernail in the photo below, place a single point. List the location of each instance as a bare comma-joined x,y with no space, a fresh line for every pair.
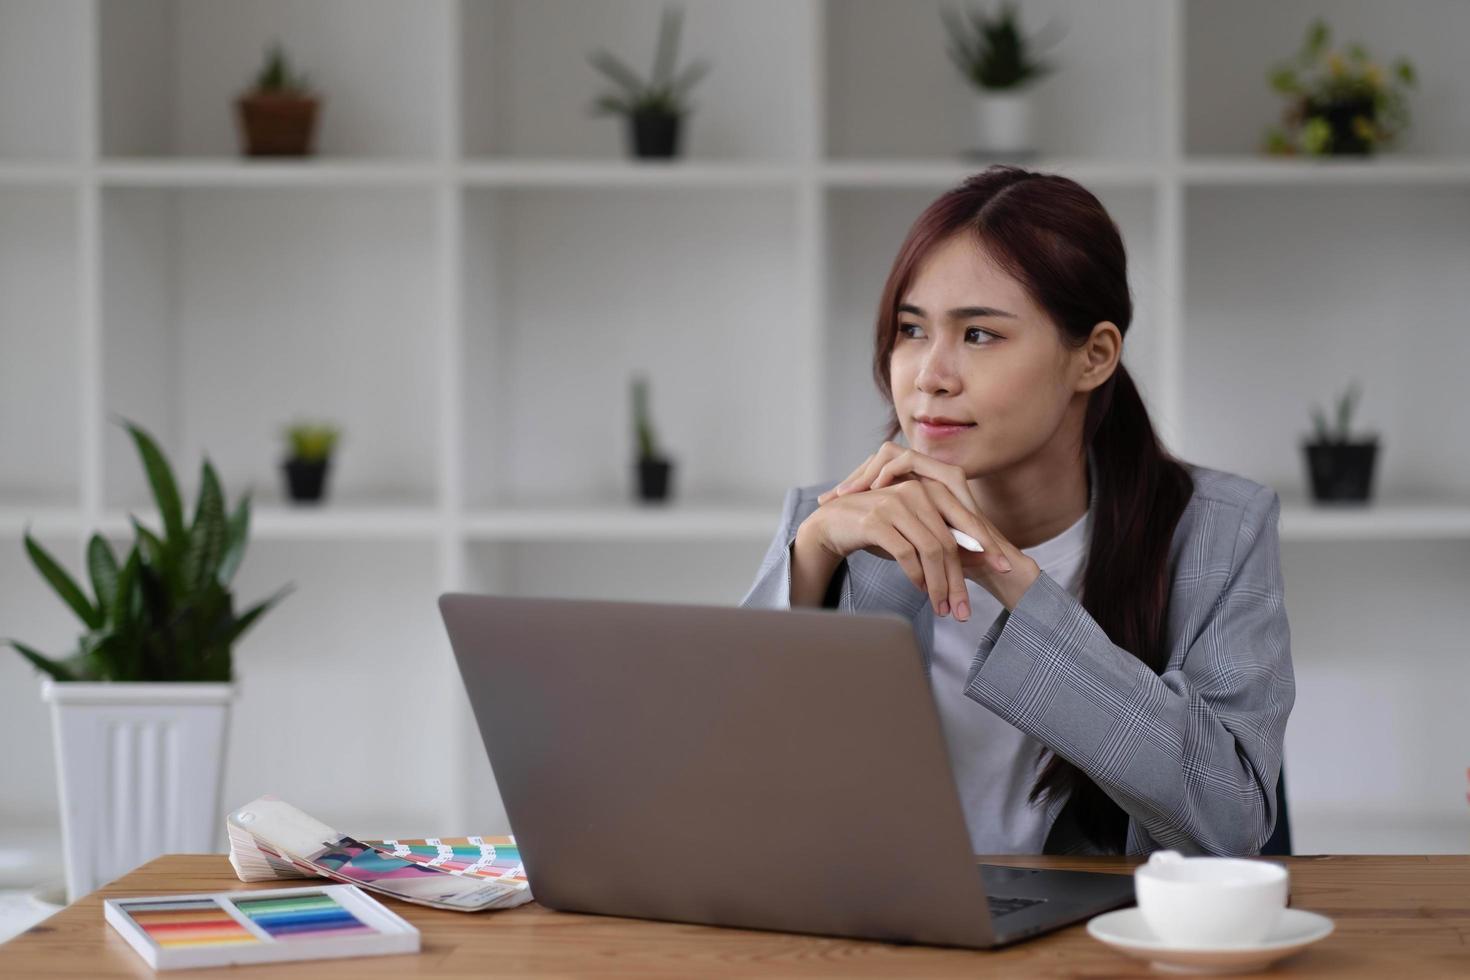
944,608
1004,565
964,611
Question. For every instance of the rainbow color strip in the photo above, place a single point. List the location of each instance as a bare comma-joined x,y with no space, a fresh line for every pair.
192,922
314,915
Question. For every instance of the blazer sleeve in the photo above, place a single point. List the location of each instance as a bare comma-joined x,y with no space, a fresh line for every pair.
772,586
1192,754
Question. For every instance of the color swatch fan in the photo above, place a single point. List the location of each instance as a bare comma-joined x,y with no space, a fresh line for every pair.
271,839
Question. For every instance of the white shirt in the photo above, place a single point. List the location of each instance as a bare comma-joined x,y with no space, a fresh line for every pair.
994,763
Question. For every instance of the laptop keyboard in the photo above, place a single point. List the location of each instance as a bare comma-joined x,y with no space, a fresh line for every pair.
1003,905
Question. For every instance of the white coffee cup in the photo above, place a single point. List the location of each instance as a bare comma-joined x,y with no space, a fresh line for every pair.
1209,901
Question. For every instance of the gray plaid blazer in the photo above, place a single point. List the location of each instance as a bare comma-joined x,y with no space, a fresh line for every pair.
1192,754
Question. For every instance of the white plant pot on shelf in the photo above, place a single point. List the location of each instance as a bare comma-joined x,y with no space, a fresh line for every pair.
1004,121
139,767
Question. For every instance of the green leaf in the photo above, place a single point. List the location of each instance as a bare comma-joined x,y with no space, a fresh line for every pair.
248,618
102,565
158,556
121,612
235,537
1315,41
668,41
58,671
208,535
64,584
618,71
165,488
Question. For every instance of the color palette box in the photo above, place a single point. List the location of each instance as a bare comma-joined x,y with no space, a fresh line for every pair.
224,928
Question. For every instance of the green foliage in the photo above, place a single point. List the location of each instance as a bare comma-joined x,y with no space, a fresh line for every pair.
1319,77
642,423
165,613
1345,405
312,441
276,75
665,92
991,51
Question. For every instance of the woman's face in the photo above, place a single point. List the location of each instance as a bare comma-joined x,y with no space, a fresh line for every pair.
973,346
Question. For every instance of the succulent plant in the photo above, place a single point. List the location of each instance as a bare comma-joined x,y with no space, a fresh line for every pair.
991,51
642,424
665,91
277,76
165,612
311,441
1345,406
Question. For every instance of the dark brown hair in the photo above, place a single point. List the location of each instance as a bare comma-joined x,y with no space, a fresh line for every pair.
1054,237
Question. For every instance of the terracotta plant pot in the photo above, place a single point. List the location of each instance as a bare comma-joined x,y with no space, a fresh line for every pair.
273,124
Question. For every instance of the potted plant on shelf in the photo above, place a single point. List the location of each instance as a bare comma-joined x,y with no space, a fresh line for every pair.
310,456
655,470
1339,468
997,59
654,110
1341,102
140,710
278,113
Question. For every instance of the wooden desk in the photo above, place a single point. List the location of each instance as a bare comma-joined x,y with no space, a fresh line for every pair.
1396,916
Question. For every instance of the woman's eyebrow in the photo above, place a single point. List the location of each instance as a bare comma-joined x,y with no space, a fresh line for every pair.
959,312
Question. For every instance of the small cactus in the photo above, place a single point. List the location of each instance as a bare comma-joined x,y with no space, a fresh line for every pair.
643,425
1345,405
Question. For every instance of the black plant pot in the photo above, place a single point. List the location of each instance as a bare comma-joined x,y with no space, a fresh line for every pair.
655,478
1339,116
1341,471
654,134
306,478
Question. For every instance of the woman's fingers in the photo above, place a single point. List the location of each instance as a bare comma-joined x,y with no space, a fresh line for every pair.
957,600
905,514
962,518
916,463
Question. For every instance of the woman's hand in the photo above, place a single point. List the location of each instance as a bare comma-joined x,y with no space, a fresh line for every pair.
1002,569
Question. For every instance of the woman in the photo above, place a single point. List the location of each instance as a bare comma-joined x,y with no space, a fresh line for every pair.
1113,671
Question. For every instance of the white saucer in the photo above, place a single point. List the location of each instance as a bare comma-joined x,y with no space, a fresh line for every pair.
1125,931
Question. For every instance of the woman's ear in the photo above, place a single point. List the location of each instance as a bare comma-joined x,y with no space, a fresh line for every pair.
1100,356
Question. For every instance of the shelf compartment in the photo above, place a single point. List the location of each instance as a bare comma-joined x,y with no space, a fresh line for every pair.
1292,292
554,332
527,82
169,72
42,45
40,316
356,658
304,302
1229,50
884,60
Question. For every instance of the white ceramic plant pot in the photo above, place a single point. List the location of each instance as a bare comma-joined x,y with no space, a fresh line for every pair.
138,766
1004,121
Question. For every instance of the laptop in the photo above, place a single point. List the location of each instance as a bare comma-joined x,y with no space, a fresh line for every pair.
778,769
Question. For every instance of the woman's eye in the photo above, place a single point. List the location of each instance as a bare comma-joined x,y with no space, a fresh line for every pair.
974,332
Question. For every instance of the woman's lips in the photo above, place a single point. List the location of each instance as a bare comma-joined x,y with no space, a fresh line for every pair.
939,431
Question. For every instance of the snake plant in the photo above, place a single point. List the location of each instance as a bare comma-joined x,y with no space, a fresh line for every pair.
164,611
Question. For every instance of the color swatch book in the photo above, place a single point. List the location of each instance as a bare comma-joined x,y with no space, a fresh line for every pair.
269,838
224,928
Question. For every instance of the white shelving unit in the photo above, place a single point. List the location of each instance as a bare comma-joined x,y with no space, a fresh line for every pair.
467,274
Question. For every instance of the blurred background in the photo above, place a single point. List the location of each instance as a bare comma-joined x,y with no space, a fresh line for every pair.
555,309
